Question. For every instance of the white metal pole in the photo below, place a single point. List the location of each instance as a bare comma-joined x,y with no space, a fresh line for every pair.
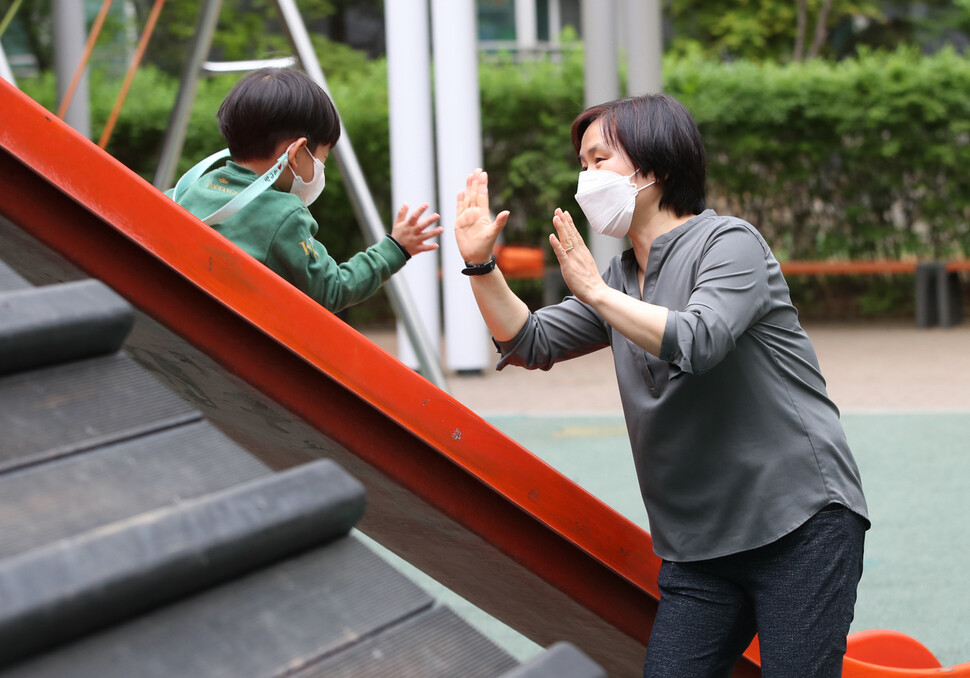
526,26
360,197
178,123
412,153
555,21
602,83
69,28
459,136
5,71
644,45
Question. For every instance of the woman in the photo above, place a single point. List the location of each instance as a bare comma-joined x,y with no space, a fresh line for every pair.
754,500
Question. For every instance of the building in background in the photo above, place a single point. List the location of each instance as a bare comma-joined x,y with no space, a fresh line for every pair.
520,27
525,25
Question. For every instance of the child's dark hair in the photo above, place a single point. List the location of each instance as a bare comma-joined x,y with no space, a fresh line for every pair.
272,105
659,135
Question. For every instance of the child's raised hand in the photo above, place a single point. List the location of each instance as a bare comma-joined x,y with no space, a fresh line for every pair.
413,232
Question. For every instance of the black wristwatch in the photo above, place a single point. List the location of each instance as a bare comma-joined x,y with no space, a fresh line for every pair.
479,269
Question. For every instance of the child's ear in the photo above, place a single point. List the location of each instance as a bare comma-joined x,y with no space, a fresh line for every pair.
293,150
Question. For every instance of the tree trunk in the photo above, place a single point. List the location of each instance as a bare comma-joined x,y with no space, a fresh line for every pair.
800,27
821,32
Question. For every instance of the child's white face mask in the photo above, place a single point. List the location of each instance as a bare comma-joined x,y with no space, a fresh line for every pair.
308,191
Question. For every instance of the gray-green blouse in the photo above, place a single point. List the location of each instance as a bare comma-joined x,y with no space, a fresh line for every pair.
735,440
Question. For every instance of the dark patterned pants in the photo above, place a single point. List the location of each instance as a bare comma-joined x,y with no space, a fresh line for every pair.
798,594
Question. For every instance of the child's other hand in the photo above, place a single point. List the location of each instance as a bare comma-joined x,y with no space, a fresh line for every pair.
413,232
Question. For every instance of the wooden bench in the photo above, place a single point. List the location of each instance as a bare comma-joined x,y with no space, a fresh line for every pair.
527,262
937,284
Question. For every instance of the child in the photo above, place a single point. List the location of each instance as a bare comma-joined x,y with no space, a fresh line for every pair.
280,127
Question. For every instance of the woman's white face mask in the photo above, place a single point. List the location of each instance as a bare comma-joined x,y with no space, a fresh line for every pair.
308,191
608,200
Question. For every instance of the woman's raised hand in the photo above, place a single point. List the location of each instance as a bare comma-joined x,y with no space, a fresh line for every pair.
578,266
475,230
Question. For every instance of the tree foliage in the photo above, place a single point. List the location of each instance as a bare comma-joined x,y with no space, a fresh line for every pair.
247,29
860,158
856,159
750,30
763,31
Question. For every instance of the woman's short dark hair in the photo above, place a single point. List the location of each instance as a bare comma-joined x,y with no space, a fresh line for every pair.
271,105
658,135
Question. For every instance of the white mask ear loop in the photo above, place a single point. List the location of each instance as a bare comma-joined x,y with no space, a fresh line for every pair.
308,191
641,187
312,158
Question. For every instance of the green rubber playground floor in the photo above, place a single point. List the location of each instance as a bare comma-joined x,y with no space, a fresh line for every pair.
916,474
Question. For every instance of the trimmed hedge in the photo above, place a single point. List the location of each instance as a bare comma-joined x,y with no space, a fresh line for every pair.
864,158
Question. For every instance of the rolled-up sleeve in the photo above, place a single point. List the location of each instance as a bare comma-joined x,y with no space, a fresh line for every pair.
554,333
730,293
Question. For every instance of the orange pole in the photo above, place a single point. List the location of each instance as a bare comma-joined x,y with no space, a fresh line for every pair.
130,75
85,56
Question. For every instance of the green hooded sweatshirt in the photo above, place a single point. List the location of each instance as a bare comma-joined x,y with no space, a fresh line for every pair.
278,230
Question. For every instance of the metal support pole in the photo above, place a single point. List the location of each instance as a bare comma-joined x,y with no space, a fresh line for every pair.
360,198
179,122
928,275
411,124
526,27
459,134
602,83
5,71
555,21
949,302
68,24
644,47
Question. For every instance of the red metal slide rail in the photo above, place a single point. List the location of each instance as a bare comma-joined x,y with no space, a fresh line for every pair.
446,490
